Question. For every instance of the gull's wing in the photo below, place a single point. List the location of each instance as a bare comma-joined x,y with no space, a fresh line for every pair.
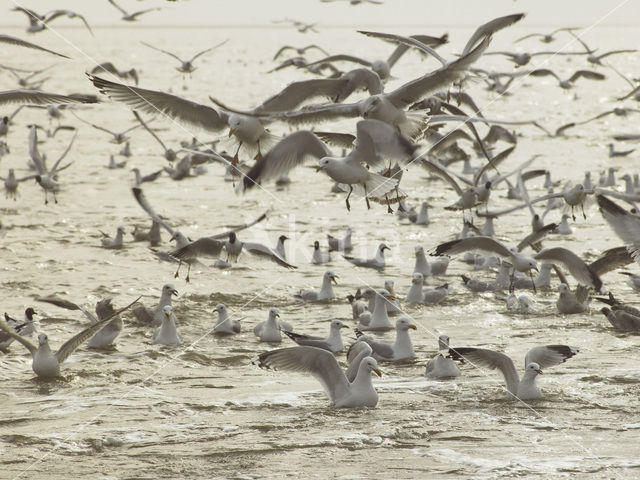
590,74
74,342
543,72
610,260
98,127
112,2
550,355
340,140
307,340
55,168
536,236
377,141
487,29
23,43
486,244
495,161
34,153
615,52
66,304
531,35
342,58
624,224
297,92
490,359
319,363
146,127
242,227
163,51
320,113
152,101
287,154
203,247
404,43
282,49
37,97
208,50
137,14
262,251
416,89
576,266
437,169
59,13
12,333
383,350
142,201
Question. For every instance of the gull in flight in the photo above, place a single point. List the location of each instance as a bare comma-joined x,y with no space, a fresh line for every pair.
186,65
320,363
47,363
131,17
536,359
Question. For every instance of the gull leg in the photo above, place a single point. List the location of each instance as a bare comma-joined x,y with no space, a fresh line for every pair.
188,271
347,200
366,197
572,214
55,199
533,282
175,275
583,214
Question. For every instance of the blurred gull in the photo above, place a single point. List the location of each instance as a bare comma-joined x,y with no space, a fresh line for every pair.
225,324
325,292
442,365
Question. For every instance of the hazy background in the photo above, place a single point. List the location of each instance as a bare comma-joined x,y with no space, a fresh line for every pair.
392,12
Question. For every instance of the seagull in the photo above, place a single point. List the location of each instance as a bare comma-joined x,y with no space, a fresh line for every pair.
342,392
569,302
377,262
47,178
375,141
105,337
212,247
619,153
24,327
131,17
111,68
340,244
151,177
114,243
167,334
118,137
521,59
377,319
442,365
582,272
154,316
269,330
568,83
520,261
402,349
546,37
299,50
332,343
325,292
186,65
39,22
427,269
536,359
11,183
318,257
624,224
225,324
622,320
46,363
113,165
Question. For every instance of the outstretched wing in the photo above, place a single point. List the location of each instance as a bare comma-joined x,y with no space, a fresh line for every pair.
319,363
74,342
550,355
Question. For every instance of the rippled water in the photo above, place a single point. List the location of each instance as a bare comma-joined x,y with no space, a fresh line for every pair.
147,411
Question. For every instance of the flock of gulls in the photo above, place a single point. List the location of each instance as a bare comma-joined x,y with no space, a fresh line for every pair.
397,130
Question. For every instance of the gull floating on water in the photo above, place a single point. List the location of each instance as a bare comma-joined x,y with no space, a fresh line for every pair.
401,349
332,343
536,359
47,363
154,316
270,329
324,367
325,293
167,334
